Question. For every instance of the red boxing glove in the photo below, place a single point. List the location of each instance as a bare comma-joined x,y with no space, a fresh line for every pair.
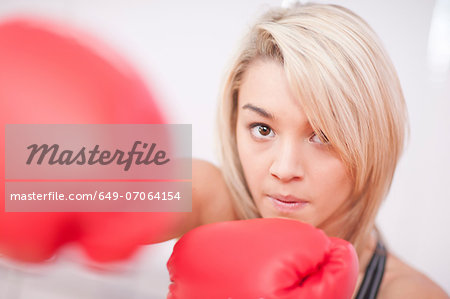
53,74
261,258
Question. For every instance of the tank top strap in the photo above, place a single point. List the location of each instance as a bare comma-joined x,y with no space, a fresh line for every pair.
374,273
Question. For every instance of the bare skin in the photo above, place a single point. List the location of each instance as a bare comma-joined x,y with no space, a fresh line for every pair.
211,201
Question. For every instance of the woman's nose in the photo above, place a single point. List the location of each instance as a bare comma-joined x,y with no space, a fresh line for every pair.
286,165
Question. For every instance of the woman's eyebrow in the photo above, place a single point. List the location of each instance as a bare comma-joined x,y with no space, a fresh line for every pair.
258,110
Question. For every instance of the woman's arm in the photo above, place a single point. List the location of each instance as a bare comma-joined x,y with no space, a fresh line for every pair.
211,200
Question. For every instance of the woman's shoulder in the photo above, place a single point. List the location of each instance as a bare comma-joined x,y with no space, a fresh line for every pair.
207,179
210,193
403,281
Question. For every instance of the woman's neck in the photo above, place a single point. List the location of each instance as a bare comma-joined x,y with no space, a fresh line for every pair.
364,257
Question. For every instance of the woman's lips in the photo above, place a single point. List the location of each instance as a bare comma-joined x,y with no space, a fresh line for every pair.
287,203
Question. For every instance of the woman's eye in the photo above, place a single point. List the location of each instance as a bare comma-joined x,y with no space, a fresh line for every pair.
261,131
315,138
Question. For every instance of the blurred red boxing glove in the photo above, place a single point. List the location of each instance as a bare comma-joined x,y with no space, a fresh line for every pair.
53,74
261,258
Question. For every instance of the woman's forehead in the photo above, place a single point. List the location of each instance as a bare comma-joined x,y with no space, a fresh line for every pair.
265,91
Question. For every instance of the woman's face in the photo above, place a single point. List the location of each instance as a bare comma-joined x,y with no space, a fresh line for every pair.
290,173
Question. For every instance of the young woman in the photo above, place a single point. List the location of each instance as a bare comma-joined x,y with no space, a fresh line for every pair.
312,122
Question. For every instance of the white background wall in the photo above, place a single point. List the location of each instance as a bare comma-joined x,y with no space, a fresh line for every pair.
182,48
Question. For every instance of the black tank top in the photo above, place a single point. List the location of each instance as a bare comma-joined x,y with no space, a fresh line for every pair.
374,274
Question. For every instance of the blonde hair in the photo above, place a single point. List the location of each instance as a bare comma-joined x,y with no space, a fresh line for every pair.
349,90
